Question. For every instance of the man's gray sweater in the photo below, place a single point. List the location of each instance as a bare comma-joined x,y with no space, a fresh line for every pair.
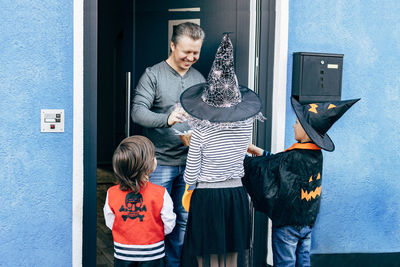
156,95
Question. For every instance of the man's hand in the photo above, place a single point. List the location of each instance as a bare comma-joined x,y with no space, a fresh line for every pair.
178,115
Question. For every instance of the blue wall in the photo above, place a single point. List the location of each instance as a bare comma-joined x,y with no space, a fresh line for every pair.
36,72
361,184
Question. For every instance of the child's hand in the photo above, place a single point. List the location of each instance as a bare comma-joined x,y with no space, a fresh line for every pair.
255,150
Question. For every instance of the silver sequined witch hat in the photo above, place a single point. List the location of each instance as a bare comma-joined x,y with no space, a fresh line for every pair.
221,99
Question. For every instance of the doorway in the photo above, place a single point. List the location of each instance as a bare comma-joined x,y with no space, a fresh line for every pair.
133,35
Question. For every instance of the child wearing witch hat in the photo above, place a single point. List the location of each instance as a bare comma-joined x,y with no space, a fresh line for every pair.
287,185
221,113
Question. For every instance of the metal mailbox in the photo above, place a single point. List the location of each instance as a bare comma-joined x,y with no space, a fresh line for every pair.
317,77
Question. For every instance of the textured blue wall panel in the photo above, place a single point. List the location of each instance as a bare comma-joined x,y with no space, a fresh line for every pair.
361,187
36,72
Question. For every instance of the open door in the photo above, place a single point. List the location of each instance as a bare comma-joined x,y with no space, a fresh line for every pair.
133,35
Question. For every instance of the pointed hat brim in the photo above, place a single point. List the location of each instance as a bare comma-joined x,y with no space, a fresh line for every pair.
193,104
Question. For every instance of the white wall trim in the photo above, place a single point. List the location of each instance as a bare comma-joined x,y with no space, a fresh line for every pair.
280,76
252,44
77,173
279,89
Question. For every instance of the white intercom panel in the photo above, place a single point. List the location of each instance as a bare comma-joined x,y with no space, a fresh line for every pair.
52,120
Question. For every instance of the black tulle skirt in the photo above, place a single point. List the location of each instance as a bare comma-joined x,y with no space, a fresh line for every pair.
218,222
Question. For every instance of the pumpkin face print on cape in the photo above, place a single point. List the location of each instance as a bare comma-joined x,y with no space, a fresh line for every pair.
313,190
286,186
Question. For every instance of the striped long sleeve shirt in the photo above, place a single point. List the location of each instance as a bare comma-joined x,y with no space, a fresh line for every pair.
216,155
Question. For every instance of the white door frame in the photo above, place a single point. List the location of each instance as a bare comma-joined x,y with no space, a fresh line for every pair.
280,76
77,172
278,107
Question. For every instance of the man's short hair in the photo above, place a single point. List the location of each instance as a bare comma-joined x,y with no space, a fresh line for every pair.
189,29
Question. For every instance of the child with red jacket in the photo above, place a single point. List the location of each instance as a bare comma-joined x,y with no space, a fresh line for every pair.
138,212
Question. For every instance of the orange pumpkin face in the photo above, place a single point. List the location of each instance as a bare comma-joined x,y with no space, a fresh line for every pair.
311,192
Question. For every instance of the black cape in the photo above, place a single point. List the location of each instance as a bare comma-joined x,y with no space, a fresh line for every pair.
286,186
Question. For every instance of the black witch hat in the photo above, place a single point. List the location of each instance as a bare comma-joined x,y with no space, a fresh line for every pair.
317,118
221,99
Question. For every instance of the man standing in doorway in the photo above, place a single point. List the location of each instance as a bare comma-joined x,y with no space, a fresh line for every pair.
154,108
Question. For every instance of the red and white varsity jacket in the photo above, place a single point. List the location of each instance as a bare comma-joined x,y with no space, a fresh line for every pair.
139,221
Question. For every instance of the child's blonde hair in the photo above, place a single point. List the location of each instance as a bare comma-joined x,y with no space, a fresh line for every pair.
133,161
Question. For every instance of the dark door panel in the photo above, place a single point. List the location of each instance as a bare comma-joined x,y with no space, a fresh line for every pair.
216,17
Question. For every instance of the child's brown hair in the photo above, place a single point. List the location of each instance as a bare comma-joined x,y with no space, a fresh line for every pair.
133,161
